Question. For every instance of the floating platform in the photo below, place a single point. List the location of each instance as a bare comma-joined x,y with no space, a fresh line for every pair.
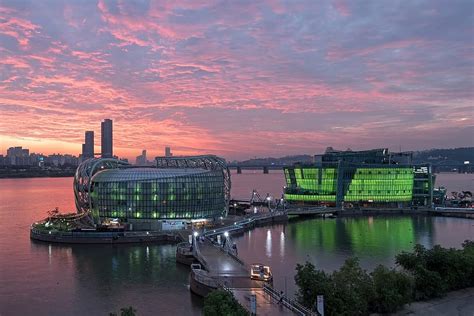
102,237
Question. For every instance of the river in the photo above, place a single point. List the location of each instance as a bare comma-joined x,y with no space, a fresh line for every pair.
43,279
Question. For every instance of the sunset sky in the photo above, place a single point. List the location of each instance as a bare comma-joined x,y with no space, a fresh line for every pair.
237,78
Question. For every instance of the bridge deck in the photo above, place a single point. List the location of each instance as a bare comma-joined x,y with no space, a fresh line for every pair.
221,263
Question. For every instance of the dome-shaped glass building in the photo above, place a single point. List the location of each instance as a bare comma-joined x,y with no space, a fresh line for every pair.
145,197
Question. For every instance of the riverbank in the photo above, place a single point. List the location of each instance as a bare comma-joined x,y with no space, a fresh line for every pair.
233,225
454,303
36,173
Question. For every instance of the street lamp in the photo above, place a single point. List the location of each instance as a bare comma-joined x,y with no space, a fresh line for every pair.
226,234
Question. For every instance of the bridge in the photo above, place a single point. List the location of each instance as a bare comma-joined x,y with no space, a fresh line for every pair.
220,267
451,165
265,168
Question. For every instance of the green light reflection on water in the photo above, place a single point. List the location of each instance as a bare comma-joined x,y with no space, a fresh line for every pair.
362,237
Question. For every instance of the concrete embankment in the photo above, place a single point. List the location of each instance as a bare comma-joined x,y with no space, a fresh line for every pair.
109,237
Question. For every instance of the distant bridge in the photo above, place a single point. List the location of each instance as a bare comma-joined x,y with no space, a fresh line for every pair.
450,165
436,166
265,168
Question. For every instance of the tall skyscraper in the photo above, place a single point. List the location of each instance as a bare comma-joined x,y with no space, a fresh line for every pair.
141,160
168,152
88,146
106,139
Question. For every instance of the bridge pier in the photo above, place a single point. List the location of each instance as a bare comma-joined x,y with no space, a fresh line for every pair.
239,170
265,170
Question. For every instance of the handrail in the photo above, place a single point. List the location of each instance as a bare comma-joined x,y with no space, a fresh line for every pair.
198,255
236,226
289,303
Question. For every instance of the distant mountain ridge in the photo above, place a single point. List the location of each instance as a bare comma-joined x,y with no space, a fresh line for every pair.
433,156
437,155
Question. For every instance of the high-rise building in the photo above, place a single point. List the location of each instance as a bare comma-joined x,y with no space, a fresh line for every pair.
141,160
168,152
18,156
106,139
88,146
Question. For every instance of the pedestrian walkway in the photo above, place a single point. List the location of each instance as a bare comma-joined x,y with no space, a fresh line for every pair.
265,305
456,303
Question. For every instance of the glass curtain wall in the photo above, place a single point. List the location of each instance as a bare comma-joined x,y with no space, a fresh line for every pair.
380,185
368,184
190,196
311,184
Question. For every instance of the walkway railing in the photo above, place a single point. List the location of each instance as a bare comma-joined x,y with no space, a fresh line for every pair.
197,253
239,225
291,304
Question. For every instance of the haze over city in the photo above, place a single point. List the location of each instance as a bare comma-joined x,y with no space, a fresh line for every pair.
238,79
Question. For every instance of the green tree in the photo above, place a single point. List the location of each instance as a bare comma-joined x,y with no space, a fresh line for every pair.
311,283
352,290
468,251
125,311
222,303
439,269
393,289
346,292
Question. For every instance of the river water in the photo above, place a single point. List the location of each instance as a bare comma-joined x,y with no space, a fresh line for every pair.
47,279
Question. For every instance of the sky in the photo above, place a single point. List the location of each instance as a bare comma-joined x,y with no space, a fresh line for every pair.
239,79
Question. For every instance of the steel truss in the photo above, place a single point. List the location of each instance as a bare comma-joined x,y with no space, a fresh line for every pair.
83,182
207,162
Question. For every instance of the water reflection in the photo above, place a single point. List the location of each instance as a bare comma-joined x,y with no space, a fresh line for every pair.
268,244
282,244
123,275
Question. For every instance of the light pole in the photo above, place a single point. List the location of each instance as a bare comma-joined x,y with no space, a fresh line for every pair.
195,234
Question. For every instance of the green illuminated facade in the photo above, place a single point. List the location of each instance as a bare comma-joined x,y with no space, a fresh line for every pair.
369,178
148,194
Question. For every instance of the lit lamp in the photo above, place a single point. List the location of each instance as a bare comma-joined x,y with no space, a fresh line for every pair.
269,198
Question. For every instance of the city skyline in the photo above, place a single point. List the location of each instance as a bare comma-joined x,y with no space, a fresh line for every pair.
237,79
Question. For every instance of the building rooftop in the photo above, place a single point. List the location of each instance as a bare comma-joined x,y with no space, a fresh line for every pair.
133,174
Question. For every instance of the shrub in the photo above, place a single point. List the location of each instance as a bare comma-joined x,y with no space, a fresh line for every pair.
393,289
125,311
346,292
220,302
439,270
352,290
311,283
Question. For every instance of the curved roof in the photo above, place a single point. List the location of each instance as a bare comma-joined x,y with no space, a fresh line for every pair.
134,174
